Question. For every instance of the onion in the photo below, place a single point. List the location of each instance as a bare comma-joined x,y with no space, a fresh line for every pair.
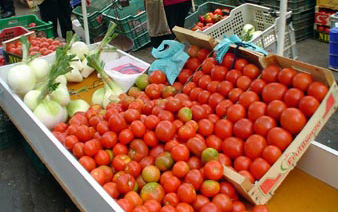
41,69
75,106
76,62
80,49
31,99
86,70
50,113
98,96
74,75
21,79
61,79
61,95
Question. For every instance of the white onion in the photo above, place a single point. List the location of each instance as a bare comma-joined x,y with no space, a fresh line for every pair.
86,70
98,96
75,106
76,62
61,95
21,79
50,113
41,68
74,75
31,98
61,79
79,48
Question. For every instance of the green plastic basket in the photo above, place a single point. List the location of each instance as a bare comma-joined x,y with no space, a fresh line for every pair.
42,28
8,132
303,33
307,14
131,22
193,18
293,5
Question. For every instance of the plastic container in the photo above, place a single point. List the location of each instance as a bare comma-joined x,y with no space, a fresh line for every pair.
42,28
12,32
293,5
333,61
334,20
262,20
75,3
193,18
131,22
303,33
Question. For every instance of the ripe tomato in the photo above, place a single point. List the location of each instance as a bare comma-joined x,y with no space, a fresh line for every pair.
184,207
168,208
102,158
213,170
271,154
196,146
243,82
302,81
151,174
308,105
87,162
70,141
194,163
214,142
232,147
197,75
125,205
165,176
134,198
248,175
257,86
198,112
195,178
171,199
275,109
192,51
263,124
171,184
202,54
273,91
138,150
205,127
195,92
240,64
242,163
157,77
223,202
138,128
188,87
178,86
169,145
120,149
254,146
224,160
259,167
153,91
117,122
181,169
133,168
152,205
151,122
286,75
120,162
279,137
164,161
222,107
270,73
157,150
90,147
140,208
173,104
256,110
292,97
238,206
212,87
200,202
243,128
180,152
131,115
125,183
228,60
228,189
251,70
293,120
152,191
208,65
78,150
184,75
233,75
111,189
165,131
83,133
224,87
126,136
218,73
248,97
260,208
318,90
234,94
98,175
193,63
236,112
210,188
203,97
166,115
186,193
204,81
185,132
150,139
109,139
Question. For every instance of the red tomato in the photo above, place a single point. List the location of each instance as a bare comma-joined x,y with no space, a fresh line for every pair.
302,81
210,188
270,73
257,86
292,97
223,202
224,160
195,178
102,158
153,91
184,75
193,63
133,168
185,132
194,163
91,148
308,105
254,146
171,199
234,94
126,136
184,207
132,115
207,65
256,110
248,97
150,139
240,64
248,175
286,75
180,152
212,87
168,208
196,146
152,205
233,147
275,109
293,120
203,97
202,54
260,208
200,202
242,163
198,112
223,128
279,137
213,170
251,70
318,90
210,207
204,81
88,163
271,154
273,91
120,149
111,189
222,107
263,124
138,128
228,60
228,189
243,82
120,162
238,206
125,205
188,87
192,51
138,150
151,122
197,75
236,112
186,193
157,77
224,87
218,73
125,183
205,127
117,122
214,142
259,167
233,75
243,128
165,131
195,92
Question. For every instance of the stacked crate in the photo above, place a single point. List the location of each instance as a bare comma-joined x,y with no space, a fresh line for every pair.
322,25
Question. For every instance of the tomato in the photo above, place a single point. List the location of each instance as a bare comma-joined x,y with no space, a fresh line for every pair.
78,150
302,81
243,82
138,150
173,104
203,97
222,107
151,174
117,122
205,127
254,146
292,97
259,167
70,141
196,77
279,137
153,91
90,147
210,188
184,207
273,91
152,191
98,175
293,120
168,91
224,87
228,60
188,87
256,110
263,124
125,183
131,115
166,115
248,97
51,48
208,65
214,142
204,81
134,91
232,147
257,86
234,94
193,63
243,128
195,92
242,163
318,90
238,206
134,198
186,193
168,208
165,176
151,122
140,208
275,109
218,73
271,154
88,163
171,184
251,70
223,202
195,178
155,151
111,189
133,168
180,153
196,146
184,75
181,169
152,205
236,112
157,77
164,161
215,99
213,170
83,133
192,51
270,73
308,105
260,208
102,158
126,136
200,202
171,144
147,161
212,87
150,139
125,205
286,75
165,131
109,139
171,199
120,162
194,163
178,86
198,112
193,124
202,54
120,149
185,132
233,75
240,64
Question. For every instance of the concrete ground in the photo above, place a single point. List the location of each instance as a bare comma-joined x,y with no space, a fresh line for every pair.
23,188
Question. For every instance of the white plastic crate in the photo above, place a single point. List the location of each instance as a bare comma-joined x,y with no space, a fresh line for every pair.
263,20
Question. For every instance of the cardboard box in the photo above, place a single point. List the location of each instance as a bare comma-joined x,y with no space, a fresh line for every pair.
321,35
263,190
322,16
332,4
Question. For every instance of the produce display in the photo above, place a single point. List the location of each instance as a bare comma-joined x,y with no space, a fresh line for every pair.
210,19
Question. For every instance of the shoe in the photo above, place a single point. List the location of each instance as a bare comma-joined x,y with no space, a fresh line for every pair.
8,14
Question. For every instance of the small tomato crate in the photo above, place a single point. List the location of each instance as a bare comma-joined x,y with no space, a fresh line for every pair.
12,32
42,28
131,22
263,20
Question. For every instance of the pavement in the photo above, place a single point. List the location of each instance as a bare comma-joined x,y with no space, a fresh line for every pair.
24,187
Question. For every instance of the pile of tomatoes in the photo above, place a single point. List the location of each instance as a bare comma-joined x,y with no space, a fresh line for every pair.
41,45
160,150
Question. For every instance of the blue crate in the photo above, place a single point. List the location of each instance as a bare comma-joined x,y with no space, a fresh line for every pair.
334,47
74,3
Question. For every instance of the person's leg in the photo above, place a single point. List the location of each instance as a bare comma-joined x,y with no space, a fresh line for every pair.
8,7
171,15
47,13
156,41
183,9
64,16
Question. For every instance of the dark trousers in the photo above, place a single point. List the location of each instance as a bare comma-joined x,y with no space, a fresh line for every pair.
7,5
175,15
57,10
